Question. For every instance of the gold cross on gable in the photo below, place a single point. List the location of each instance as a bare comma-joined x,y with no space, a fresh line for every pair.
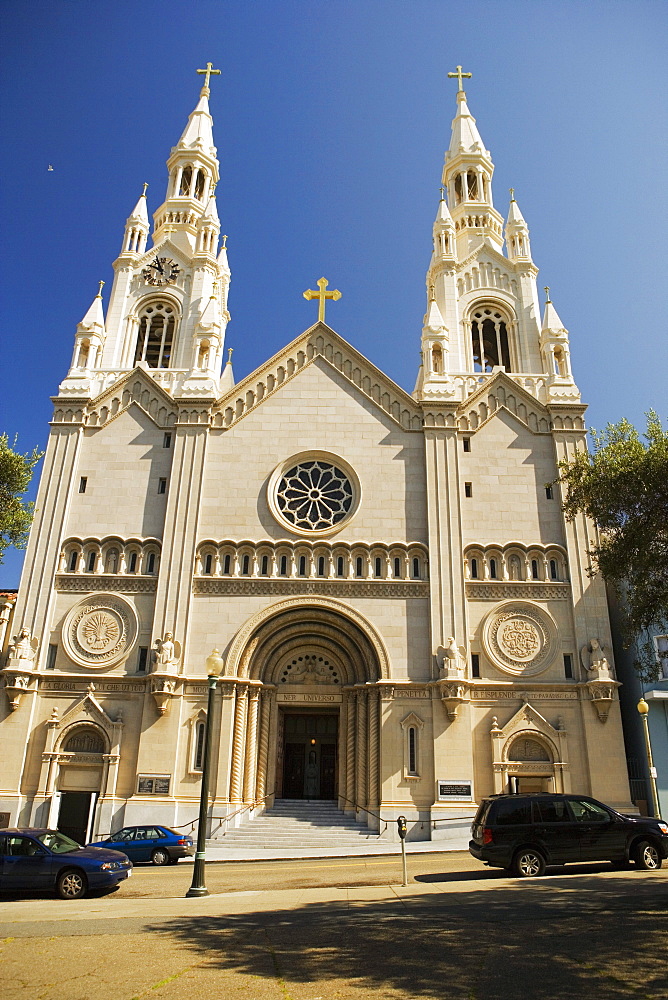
207,73
310,293
459,76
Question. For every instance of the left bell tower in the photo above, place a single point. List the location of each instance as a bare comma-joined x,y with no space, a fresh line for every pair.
167,310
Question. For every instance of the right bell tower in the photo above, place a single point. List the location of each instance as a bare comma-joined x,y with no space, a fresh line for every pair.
483,311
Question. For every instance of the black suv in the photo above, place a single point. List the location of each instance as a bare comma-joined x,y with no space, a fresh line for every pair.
525,833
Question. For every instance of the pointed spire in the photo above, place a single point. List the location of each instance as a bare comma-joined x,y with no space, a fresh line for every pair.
517,232
433,320
223,264
551,321
93,321
227,378
443,216
514,214
465,137
139,213
198,133
211,211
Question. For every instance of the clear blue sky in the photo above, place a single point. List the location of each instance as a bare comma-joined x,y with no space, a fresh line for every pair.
331,119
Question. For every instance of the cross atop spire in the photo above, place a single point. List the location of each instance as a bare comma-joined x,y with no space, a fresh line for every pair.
207,73
458,73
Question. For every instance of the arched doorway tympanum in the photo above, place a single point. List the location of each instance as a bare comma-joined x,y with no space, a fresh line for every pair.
306,713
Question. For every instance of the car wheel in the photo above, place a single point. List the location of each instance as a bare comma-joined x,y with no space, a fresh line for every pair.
646,856
528,863
71,885
160,857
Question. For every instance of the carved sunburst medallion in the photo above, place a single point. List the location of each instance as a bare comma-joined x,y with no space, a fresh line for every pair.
100,631
519,638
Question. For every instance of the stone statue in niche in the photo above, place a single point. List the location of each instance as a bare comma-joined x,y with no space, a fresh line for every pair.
167,652
22,650
594,660
450,659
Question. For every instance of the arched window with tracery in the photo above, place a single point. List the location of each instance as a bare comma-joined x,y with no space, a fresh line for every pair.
489,336
186,181
157,324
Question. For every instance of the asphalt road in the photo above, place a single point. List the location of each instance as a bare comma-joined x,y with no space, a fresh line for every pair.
345,929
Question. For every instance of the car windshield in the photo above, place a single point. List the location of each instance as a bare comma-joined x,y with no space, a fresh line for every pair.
58,842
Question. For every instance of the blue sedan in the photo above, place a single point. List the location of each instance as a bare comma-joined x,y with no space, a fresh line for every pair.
158,844
46,860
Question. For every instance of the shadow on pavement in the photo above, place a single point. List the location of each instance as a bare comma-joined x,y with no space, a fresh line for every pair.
549,939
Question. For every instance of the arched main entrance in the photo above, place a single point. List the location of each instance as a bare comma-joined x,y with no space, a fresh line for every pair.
306,712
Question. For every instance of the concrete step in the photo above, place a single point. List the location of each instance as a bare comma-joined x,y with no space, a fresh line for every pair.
307,824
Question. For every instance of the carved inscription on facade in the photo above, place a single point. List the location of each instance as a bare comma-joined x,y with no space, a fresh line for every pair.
303,698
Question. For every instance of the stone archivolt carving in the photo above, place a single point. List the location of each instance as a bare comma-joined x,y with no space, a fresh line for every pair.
519,638
100,631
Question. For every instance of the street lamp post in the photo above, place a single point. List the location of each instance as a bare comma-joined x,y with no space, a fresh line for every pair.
643,709
214,666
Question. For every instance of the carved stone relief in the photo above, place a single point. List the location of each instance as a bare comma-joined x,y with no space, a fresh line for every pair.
100,631
519,638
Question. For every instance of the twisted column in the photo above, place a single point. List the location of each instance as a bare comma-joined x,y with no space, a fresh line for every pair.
361,761
350,748
374,741
250,764
263,745
238,738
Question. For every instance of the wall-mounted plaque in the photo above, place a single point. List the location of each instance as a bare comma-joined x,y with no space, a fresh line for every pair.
455,790
153,784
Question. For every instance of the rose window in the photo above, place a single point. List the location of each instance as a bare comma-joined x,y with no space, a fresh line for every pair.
314,496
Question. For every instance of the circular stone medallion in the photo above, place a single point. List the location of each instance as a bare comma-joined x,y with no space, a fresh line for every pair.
519,638
100,631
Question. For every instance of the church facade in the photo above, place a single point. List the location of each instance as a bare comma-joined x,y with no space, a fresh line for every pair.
405,618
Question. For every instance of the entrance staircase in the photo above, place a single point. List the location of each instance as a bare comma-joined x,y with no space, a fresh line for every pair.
302,825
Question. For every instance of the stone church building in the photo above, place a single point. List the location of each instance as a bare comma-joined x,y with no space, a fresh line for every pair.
406,619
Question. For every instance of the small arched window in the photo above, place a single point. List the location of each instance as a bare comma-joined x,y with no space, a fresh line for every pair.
378,567
416,568
554,570
157,324
412,750
339,566
472,184
198,755
90,565
492,569
150,563
474,569
226,565
74,558
534,569
321,566
132,566
489,335
265,565
199,184
186,181
358,566
397,568
245,566
302,565
208,562
284,566
437,359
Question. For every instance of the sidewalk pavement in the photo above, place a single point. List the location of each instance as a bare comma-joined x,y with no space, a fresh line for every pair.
217,851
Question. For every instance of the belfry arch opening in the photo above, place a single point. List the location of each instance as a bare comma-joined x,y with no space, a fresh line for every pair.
490,341
306,711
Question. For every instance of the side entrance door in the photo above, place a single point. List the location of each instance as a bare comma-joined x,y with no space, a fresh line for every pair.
293,771
74,815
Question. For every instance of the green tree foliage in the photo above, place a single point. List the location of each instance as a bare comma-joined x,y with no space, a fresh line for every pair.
623,486
15,513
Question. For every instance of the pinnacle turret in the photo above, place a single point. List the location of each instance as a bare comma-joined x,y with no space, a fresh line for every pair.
137,227
517,232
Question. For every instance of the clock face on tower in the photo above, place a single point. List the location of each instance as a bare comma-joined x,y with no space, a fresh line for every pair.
161,271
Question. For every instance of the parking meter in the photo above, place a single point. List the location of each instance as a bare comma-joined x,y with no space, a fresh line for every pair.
402,828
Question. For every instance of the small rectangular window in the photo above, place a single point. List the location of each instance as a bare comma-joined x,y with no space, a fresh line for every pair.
162,486
302,565
467,444
549,495
167,441
284,566
339,566
150,563
416,568
321,565
83,483
378,567
568,666
397,569
51,658
475,665
412,750
265,565
226,565
468,489
142,659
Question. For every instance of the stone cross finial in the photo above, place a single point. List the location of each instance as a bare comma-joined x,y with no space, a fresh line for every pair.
99,291
209,71
143,194
310,293
547,293
459,76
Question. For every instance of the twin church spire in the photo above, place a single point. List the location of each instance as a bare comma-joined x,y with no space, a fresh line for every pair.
168,304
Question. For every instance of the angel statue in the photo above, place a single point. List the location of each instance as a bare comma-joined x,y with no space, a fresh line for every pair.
167,652
22,650
593,658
